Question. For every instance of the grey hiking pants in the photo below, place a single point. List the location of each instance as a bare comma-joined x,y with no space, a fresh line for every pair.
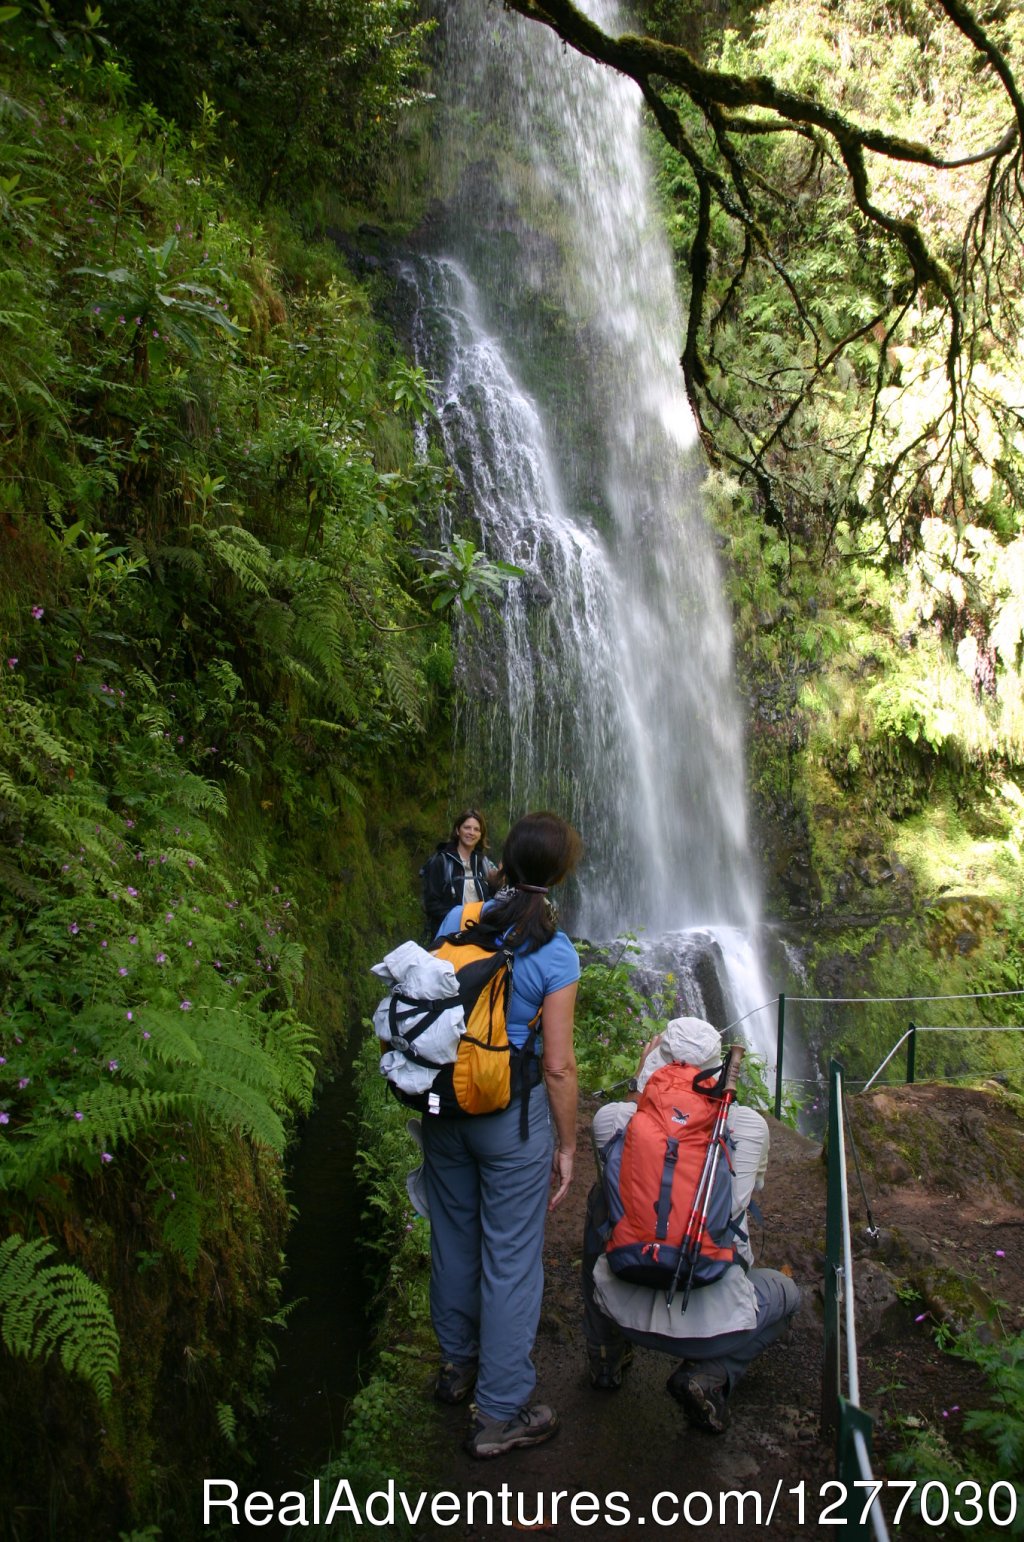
488,1193
727,1355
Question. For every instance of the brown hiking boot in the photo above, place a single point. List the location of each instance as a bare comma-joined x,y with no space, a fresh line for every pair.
529,1427
606,1363
703,1397
454,1382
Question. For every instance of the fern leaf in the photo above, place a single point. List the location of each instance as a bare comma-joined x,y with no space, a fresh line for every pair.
46,1306
226,1422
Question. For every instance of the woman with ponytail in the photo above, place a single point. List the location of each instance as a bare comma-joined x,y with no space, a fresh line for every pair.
487,1186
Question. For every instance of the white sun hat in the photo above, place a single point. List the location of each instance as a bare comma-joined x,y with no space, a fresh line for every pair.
686,1041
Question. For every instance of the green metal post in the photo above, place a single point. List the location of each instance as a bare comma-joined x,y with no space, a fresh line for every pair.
780,1039
830,1378
912,1053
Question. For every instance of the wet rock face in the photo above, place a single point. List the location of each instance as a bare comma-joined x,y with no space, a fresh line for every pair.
696,962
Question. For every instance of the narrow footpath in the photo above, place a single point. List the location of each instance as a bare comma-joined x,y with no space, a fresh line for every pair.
635,1442
956,1218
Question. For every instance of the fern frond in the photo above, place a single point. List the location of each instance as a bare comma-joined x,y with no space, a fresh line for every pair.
19,884
226,1422
10,792
405,688
232,1105
292,1045
111,1112
343,785
44,1306
180,1214
246,557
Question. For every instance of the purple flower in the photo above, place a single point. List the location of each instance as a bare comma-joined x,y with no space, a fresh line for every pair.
103,944
37,613
122,971
5,1118
12,663
3,1059
73,928
129,1015
23,1082
161,958
921,1317
145,1035
186,1006
112,1065
78,1115
133,892
133,940
1000,1253
106,1157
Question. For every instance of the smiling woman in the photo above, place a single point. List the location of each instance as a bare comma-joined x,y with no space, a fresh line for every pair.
460,871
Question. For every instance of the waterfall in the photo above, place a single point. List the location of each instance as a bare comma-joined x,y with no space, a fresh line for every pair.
545,307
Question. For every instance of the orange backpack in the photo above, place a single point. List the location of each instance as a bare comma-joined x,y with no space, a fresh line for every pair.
652,1172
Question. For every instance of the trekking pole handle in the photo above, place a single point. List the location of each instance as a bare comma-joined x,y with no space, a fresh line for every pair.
732,1072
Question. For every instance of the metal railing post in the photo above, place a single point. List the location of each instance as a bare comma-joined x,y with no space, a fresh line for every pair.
830,1378
911,1054
780,1038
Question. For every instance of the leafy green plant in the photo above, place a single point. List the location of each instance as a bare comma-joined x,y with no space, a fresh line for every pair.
997,1453
468,578
614,1019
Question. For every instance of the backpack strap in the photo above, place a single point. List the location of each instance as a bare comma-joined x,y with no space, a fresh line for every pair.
668,1173
425,1017
529,1068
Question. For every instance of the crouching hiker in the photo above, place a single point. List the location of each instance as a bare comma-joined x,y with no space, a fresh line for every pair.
659,1270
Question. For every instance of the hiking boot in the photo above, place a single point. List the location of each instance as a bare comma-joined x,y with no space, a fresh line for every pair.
607,1363
704,1399
455,1382
529,1427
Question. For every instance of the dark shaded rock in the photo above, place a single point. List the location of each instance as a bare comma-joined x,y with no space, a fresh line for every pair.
880,1313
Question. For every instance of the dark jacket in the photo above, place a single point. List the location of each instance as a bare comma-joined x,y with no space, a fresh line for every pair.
443,877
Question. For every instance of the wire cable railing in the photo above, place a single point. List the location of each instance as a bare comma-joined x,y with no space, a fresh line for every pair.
780,1001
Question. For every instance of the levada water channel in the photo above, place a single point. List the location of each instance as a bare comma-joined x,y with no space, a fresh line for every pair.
542,302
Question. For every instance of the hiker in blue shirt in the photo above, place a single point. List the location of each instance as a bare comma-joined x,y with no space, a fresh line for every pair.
488,1185
459,871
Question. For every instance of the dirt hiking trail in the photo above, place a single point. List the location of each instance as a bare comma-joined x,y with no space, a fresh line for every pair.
939,1224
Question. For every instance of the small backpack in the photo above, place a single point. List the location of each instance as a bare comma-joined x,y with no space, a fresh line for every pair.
652,1170
488,1072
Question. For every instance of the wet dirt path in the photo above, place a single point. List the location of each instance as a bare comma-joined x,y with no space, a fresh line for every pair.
635,1444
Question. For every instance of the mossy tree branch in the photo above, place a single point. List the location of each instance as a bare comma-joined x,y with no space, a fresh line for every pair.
959,279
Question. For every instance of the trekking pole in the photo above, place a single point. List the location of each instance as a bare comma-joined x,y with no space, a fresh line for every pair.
689,1251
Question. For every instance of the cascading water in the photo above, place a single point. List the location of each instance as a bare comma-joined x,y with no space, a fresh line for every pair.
607,691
